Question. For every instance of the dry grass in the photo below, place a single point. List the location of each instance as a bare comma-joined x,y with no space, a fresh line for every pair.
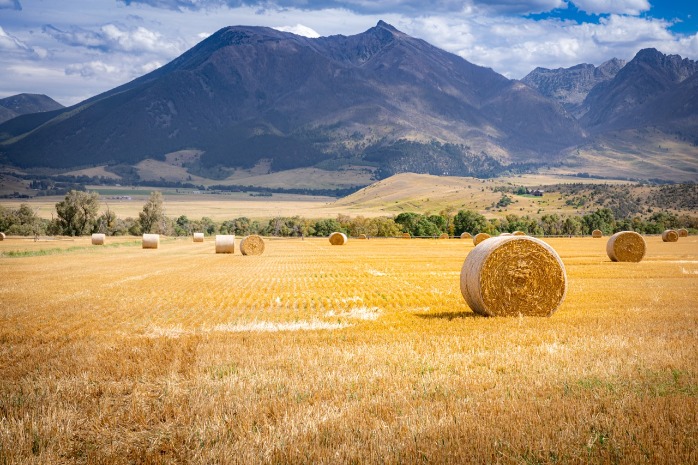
365,353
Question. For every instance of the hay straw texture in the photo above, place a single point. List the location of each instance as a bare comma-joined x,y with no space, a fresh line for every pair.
252,245
2,236
512,276
518,233
98,239
465,235
225,243
406,236
338,238
626,246
151,241
670,236
683,232
198,237
443,236
480,237
596,233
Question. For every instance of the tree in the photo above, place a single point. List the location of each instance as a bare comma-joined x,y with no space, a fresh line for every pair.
469,221
152,218
77,213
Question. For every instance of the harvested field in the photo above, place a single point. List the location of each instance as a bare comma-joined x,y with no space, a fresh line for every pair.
365,353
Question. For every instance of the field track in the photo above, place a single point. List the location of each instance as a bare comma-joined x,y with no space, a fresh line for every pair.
316,353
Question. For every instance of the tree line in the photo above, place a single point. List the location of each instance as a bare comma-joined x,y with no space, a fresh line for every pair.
78,214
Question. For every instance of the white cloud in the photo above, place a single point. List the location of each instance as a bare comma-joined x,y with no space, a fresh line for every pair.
622,7
299,29
91,69
9,42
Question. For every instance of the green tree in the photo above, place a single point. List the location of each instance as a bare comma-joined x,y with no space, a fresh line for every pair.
152,218
470,222
77,213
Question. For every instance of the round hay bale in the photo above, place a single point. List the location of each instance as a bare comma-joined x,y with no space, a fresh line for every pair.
2,236
514,275
480,237
506,234
338,238
670,235
198,237
225,243
626,246
465,235
151,241
98,239
443,236
252,245
596,233
363,236
406,236
683,232
518,233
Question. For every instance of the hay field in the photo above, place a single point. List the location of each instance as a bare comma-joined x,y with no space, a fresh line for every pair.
365,353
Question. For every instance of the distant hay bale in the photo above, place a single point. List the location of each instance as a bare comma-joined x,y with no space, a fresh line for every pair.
518,233
198,237
338,238
683,232
98,239
480,237
151,241
443,236
513,275
626,246
363,236
406,236
2,236
225,243
596,233
465,235
505,234
252,245
670,235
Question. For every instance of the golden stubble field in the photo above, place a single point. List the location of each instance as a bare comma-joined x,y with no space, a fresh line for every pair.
363,353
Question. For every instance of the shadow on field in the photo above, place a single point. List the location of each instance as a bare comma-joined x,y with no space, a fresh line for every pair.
447,315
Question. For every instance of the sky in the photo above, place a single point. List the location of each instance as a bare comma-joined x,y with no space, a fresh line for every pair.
71,50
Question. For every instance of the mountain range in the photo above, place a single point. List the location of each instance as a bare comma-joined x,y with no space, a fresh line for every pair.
251,96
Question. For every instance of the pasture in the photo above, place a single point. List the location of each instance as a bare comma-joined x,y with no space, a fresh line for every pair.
361,353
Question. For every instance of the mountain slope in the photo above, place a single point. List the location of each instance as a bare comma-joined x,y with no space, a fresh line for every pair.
246,94
22,104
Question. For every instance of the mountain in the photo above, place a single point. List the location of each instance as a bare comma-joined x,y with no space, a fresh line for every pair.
570,86
653,89
22,104
248,95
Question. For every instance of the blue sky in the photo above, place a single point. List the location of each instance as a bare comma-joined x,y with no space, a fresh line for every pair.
71,50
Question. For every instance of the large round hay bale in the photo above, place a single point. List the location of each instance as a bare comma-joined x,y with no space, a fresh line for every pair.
443,236
518,233
225,243
626,246
683,232
98,239
670,235
2,236
338,238
465,235
596,233
198,237
480,237
151,241
252,245
406,236
513,275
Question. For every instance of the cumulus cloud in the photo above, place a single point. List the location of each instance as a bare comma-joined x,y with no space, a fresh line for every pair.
622,7
10,5
111,37
299,29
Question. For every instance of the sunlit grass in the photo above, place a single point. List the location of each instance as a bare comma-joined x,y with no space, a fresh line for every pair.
331,354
